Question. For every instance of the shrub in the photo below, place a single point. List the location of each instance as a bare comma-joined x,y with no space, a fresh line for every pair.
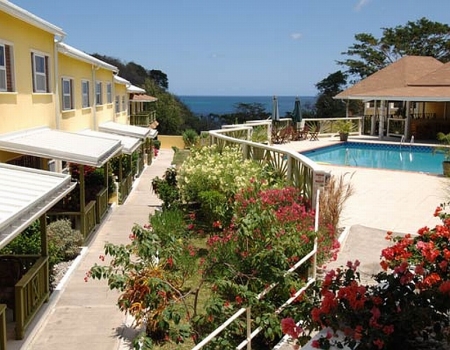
190,138
166,188
151,272
407,306
28,242
332,199
64,242
156,144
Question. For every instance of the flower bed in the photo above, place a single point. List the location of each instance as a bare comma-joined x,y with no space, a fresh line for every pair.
406,308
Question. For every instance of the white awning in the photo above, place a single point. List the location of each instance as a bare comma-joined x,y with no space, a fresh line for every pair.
129,144
61,145
25,195
127,130
133,89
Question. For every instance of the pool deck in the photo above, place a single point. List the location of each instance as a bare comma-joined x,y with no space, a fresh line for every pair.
391,200
383,200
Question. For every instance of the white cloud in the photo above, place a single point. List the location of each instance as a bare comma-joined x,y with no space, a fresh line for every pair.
296,36
361,4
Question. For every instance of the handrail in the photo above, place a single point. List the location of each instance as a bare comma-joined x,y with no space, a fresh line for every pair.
238,313
299,171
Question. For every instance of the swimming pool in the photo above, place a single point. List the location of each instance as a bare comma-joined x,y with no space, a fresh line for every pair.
381,156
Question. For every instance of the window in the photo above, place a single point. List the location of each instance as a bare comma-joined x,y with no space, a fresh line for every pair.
124,106
108,93
117,104
67,98
40,73
6,68
85,94
98,93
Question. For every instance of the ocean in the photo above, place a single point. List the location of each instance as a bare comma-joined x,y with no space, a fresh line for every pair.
205,105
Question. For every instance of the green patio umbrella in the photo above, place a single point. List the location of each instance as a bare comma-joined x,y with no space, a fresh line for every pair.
297,112
275,112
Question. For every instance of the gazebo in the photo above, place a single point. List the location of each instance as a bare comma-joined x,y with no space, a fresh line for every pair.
408,98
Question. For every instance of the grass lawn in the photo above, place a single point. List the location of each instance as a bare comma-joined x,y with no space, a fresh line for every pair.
179,156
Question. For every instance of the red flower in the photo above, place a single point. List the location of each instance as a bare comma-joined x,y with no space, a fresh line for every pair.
289,327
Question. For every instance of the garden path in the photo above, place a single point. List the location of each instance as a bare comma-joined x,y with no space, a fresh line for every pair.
84,315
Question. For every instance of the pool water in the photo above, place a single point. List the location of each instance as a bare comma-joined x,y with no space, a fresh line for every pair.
381,156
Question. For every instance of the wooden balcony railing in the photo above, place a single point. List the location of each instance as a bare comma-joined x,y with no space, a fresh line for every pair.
143,119
101,205
125,187
30,293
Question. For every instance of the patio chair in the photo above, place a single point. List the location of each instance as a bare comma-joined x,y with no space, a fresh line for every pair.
303,133
314,133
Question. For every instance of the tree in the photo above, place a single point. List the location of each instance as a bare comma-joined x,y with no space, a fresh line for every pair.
246,111
420,38
159,78
326,106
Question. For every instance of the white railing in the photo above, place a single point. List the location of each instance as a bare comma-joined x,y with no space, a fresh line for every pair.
328,126
298,170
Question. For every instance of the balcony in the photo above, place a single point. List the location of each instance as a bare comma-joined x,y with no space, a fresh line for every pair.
143,118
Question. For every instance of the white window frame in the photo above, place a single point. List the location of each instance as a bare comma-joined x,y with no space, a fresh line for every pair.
41,77
108,93
85,94
7,68
124,105
67,94
98,93
3,68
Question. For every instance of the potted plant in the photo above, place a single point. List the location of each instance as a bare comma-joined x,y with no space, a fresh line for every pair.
445,150
344,127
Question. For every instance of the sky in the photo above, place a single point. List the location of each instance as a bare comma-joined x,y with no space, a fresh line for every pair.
231,47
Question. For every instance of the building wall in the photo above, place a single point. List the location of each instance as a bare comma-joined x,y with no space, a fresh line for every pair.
77,118
169,141
121,116
22,108
105,111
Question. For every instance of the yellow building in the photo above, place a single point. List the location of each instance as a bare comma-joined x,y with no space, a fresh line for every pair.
27,69
86,90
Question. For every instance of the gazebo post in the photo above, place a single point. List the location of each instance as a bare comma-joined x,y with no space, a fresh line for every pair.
381,125
374,118
407,132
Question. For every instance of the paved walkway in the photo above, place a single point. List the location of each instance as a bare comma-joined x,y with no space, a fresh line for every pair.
84,316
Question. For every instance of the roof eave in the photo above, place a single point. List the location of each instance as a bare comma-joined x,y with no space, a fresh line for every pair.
82,56
28,17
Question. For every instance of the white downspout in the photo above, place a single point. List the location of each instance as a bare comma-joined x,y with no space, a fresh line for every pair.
56,92
94,96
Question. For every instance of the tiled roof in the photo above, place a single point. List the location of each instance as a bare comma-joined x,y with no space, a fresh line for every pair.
397,80
143,98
